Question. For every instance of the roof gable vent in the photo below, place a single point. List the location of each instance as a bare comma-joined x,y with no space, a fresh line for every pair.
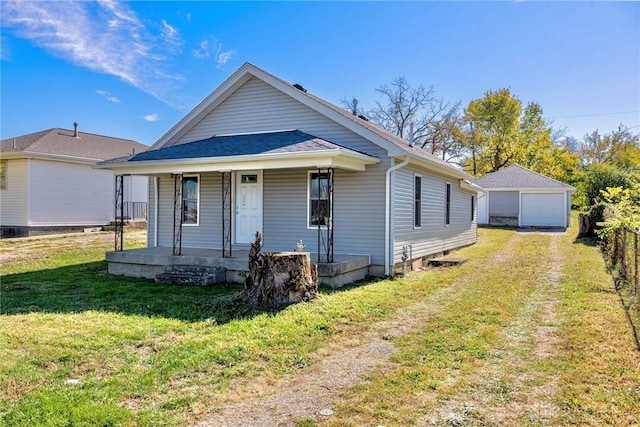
300,87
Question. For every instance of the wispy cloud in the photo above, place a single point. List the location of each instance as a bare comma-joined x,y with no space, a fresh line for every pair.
105,36
223,56
107,95
152,117
204,51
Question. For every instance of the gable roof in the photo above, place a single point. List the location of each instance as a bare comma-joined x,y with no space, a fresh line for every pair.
60,143
395,145
517,177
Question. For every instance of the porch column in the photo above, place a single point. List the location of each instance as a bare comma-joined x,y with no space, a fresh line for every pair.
119,213
325,231
177,213
227,213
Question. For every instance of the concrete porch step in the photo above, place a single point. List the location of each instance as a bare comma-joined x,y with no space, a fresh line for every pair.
192,275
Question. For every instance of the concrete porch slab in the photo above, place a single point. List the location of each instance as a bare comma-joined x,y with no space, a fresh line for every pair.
150,262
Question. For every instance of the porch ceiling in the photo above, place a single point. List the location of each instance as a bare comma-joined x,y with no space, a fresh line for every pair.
270,150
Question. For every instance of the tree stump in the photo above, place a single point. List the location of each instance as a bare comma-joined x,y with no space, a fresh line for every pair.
585,228
278,278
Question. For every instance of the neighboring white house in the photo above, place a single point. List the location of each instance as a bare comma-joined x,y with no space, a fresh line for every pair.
48,183
518,197
261,154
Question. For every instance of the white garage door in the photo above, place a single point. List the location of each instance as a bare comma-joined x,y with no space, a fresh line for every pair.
542,210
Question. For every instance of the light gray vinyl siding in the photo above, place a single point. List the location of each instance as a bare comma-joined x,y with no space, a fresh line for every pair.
433,236
504,203
151,212
208,232
358,215
258,107
14,205
69,194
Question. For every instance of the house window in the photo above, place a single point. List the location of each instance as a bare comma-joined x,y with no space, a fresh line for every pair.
473,207
447,205
417,201
3,174
319,211
190,200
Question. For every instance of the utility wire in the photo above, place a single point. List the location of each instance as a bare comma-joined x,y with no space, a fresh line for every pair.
593,115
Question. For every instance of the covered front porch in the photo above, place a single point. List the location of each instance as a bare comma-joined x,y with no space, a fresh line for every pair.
153,261
209,198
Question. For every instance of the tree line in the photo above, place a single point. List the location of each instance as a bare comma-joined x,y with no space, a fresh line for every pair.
498,130
493,132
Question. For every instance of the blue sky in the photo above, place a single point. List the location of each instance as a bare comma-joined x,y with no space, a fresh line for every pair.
133,69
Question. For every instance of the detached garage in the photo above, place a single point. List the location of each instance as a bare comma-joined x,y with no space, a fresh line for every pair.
518,197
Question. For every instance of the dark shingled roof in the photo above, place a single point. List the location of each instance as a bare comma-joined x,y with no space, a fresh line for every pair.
61,142
516,176
242,145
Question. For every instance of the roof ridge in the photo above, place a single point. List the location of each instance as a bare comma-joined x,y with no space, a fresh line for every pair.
537,173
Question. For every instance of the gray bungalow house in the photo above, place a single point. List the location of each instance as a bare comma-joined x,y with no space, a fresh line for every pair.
261,154
518,197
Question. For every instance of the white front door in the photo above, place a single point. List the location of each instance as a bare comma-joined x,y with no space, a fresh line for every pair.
248,205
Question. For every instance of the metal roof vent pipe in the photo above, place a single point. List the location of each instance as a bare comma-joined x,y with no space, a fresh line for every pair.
411,134
75,130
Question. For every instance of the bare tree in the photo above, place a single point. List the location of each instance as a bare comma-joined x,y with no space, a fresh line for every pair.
434,120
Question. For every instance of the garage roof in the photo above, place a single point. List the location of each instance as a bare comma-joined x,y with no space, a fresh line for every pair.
516,176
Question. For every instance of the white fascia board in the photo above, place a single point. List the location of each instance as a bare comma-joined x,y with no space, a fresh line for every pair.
464,185
448,171
529,190
49,156
325,159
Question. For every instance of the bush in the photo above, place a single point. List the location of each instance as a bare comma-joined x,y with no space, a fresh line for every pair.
597,178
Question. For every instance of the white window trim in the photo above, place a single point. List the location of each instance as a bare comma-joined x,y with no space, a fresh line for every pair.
446,183
198,203
413,220
474,207
5,167
309,226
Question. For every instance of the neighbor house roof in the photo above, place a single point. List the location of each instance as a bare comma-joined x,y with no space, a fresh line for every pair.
62,144
518,177
395,145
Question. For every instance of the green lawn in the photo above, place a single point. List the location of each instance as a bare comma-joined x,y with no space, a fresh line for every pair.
81,347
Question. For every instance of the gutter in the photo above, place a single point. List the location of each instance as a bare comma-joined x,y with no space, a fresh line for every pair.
387,213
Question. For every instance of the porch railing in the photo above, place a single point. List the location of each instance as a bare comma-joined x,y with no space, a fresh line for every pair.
134,211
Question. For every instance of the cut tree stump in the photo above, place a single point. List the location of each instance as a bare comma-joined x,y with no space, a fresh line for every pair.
278,278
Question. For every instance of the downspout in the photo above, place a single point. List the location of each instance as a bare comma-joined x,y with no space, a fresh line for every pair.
387,213
155,211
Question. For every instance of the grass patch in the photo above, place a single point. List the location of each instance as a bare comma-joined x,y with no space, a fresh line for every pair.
150,351
81,347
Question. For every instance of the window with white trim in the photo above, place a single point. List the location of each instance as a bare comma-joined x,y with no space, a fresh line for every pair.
417,201
318,203
473,208
190,199
3,174
447,205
